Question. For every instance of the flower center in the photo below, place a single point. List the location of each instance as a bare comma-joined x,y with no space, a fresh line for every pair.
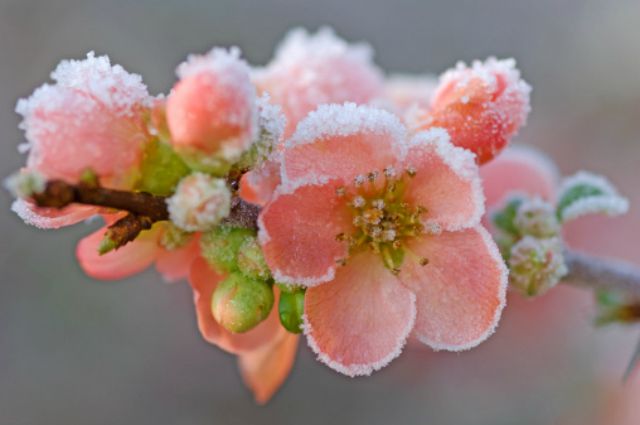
382,219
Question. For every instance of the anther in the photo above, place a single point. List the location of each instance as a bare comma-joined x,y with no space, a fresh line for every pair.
358,202
341,237
341,191
390,171
378,204
411,172
341,262
372,176
359,180
389,235
423,261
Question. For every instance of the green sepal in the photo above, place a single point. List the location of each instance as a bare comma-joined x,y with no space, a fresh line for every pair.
161,169
291,308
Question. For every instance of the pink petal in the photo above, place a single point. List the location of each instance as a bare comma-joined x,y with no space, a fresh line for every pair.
266,368
360,321
203,280
258,185
298,230
52,218
128,260
446,183
519,169
343,141
175,264
460,292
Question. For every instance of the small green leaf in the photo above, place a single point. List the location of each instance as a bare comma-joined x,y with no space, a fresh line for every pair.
161,170
504,218
574,194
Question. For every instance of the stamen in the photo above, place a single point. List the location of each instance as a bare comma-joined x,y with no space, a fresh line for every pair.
423,261
411,171
372,176
341,191
389,235
359,180
358,202
390,172
378,203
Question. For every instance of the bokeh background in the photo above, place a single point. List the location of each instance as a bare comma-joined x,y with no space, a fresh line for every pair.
76,351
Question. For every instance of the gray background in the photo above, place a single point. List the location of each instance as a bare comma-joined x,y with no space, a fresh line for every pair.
75,351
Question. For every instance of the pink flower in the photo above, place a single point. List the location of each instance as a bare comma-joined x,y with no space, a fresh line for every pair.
311,70
135,256
384,231
482,106
211,110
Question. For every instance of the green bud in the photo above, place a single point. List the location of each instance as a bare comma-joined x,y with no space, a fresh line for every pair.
536,217
174,237
291,308
536,265
504,218
250,260
107,244
161,169
220,246
240,303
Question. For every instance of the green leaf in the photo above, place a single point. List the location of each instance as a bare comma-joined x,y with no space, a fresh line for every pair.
504,218
575,194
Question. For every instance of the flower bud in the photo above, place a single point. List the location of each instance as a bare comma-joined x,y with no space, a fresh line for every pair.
199,203
536,265
537,218
240,303
220,246
481,106
291,308
251,260
211,111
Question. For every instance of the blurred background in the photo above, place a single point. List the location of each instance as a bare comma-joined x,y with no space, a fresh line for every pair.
73,350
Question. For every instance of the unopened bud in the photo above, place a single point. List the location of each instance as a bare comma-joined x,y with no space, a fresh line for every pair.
220,246
251,261
537,218
291,308
536,265
199,203
240,303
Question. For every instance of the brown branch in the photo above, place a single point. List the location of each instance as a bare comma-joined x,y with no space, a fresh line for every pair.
124,231
601,273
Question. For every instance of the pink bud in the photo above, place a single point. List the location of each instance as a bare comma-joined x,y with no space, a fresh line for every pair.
91,118
481,106
211,110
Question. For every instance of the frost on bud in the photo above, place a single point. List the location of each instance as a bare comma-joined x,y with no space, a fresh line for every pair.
537,218
536,265
211,111
586,193
239,303
23,184
199,203
291,308
250,260
482,106
220,246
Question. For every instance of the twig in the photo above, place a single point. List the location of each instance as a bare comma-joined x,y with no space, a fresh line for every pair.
591,271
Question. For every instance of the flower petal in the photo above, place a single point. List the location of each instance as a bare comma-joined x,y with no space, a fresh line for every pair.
519,169
128,260
203,280
298,231
446,183
265,369
258,185
460,292
343,141
175,264
360,321
52,218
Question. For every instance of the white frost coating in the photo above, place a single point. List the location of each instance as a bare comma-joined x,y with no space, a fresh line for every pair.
109,84
29,215
366,369
23,184
345,120
271,119
462,162
264,237
492,248
516,87
199,203
609,202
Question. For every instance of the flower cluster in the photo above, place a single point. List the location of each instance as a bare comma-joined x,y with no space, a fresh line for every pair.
313,195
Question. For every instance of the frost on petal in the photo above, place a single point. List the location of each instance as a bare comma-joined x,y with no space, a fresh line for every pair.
212,108
298,230
51,218
257,186
446,182
360,321
204,280
343,141
174,264
586,193
265,369
92,118
313,69
482,106
520,169
461,292
127,260
199,202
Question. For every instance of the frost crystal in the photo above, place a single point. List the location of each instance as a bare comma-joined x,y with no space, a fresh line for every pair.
586,193
200,202
536,265
24,184
537,218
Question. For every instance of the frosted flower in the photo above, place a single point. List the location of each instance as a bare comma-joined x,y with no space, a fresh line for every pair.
406,91
92,117
536,265
369,287
211,111
481,106
199,203
313,69
586,193
537,218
